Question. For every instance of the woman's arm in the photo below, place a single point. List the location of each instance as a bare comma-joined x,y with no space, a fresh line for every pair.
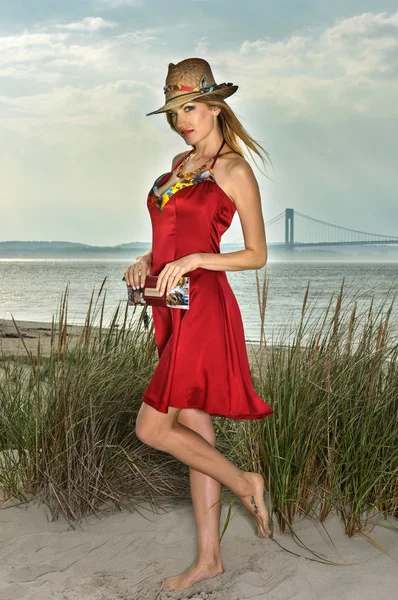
135,274
246,195
147,254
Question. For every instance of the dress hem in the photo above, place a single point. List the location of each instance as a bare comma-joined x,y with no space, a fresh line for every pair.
234,416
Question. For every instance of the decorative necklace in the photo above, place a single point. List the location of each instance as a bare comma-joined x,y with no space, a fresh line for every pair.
186,175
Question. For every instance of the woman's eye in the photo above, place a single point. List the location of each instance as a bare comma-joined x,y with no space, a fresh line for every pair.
189,107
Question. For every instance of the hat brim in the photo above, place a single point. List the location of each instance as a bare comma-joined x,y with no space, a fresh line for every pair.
182,99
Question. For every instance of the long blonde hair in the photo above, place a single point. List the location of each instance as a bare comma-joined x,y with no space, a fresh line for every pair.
231,129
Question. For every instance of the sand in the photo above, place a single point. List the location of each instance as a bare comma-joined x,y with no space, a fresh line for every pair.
11,343
126,555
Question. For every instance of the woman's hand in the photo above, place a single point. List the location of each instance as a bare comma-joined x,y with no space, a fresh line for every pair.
132,274
171,273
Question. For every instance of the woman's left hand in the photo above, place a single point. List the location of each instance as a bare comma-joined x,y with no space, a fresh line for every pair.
172,271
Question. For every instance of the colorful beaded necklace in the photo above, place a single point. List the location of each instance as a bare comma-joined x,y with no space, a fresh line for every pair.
196,171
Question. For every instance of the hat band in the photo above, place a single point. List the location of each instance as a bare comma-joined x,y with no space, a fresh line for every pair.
188,88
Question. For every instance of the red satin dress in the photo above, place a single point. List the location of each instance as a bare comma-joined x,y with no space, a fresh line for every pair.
203,360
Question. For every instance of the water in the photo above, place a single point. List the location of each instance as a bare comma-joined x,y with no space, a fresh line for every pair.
31,289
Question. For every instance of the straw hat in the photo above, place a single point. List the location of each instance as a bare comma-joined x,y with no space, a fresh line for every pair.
190,79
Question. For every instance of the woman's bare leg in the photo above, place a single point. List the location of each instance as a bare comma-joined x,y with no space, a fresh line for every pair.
164,432
206,496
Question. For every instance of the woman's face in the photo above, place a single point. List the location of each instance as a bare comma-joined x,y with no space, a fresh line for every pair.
194,120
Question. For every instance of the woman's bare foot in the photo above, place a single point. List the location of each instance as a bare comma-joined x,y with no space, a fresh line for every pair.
197,572
254,504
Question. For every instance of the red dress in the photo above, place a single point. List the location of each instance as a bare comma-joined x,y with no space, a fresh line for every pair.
203,360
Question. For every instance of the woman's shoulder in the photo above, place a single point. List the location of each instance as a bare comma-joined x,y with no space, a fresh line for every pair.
230,161
231,157
231,171
177,158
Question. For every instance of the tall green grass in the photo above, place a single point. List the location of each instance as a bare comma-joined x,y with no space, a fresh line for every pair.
332,444
67,419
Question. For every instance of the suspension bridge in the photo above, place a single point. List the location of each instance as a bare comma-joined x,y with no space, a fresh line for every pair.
301,230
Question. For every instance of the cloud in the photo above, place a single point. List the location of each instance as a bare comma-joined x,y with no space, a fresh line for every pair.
24,56
30,47
88,24
103,104
73,125
351,66
50,58
117,3
201,48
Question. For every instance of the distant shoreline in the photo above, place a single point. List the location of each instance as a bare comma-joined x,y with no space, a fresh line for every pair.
22,250
274,256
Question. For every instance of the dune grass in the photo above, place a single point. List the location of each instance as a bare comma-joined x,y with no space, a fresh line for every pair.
332,444
67,420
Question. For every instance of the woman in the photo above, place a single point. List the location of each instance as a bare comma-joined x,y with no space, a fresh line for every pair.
203,367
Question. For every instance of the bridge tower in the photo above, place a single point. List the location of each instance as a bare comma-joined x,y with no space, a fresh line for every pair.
289,227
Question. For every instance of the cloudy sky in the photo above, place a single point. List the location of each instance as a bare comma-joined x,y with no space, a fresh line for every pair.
318,88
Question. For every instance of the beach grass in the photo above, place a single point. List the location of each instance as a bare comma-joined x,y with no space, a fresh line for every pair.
67,417
332,444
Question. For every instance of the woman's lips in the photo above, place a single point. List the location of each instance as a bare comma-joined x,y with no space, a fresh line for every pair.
187,132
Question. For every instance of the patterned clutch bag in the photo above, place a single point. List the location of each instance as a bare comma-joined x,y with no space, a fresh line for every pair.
178,297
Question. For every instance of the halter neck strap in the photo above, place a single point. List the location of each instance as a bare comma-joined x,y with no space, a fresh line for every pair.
216,156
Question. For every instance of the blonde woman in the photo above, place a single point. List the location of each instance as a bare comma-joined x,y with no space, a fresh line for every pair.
203,366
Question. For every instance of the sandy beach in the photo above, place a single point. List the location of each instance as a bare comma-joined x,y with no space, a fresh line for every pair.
11,342
30,331
126,555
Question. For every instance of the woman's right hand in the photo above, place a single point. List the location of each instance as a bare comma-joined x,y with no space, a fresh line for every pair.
141,265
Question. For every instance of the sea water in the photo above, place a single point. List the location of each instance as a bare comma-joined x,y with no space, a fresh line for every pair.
31,289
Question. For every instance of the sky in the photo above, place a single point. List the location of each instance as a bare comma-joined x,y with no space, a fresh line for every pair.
318,89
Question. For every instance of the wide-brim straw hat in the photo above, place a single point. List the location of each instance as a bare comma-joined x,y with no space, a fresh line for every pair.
190,79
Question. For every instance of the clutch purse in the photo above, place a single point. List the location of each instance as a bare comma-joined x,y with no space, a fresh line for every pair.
178,296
